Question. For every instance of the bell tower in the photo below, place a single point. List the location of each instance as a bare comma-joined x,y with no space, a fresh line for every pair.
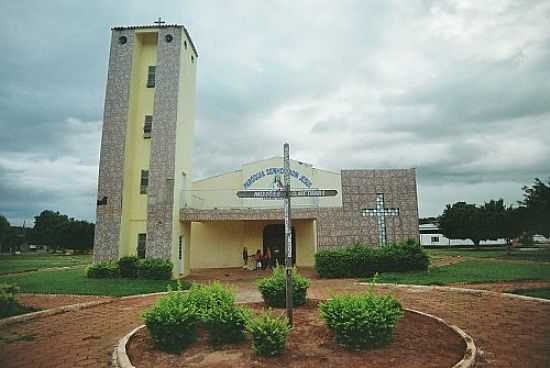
145,162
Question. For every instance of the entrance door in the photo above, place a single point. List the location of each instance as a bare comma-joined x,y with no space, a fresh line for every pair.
274,238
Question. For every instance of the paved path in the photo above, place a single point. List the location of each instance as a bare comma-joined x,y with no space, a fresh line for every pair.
510,332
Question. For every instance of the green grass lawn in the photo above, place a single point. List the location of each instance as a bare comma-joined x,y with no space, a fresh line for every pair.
76,282
20,263
543,293
538,255
475,271
466,252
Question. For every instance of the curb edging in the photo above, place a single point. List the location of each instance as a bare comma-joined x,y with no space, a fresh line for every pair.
120,358
469,358
460,290
120,355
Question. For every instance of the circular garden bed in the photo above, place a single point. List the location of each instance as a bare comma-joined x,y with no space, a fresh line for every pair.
419,341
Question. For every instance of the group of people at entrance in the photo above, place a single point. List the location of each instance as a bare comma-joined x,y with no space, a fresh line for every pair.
258,261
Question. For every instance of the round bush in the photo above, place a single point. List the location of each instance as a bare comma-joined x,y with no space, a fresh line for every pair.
8,305
215,306
226,324
268,334
103,270
361,322
273,288
128,266
172,322
155,269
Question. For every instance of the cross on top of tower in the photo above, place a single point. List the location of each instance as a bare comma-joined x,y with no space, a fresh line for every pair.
159,21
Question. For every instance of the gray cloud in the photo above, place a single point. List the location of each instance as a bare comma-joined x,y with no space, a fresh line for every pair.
459,91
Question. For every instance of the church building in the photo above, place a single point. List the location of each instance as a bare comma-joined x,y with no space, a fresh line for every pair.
149,206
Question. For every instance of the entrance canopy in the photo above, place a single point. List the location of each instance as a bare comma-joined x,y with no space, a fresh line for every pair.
220,243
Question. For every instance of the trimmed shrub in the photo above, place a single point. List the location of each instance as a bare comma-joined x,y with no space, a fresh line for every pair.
128,266
273,288
226,324
155,269
8,305
103,270
172,322
364,261
215,306
206,297
361,322
268,334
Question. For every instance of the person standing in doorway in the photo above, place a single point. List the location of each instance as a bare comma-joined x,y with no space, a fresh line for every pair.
258,260
245,257
267,259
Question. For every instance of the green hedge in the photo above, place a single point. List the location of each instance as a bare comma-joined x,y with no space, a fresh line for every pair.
128,266
155,268
365,261
361,322
273,288
131,267
103,270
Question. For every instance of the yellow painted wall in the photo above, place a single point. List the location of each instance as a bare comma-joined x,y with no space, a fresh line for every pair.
306,245
137,150
217,192
219,244
184,144
220,191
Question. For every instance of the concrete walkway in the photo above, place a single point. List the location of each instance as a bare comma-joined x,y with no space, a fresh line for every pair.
510,332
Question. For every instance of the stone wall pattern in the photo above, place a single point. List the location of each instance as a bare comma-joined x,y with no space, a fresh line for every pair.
111,165
344,226
160,201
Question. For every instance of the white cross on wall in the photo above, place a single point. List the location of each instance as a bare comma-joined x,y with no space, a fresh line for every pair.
380,213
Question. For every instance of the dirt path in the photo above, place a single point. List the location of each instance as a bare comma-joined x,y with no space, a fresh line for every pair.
510,332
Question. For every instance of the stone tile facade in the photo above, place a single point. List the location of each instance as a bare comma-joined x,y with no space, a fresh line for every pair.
359,190
115,122
343,226
160,201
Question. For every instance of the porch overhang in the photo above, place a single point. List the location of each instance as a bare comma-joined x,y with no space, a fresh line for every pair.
246,214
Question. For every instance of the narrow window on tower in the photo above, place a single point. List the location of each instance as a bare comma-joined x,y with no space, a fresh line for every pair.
141,245
144,181
147,126
151,76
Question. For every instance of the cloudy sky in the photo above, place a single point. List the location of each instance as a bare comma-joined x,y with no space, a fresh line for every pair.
458,89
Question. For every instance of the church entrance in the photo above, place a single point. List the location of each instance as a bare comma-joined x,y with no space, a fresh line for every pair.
274,238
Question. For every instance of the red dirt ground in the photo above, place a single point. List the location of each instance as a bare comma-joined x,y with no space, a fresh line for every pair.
418,342
47,301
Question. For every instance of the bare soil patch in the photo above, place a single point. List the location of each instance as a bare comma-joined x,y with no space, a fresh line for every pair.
419,341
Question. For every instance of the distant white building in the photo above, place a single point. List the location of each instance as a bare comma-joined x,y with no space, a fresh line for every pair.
431,236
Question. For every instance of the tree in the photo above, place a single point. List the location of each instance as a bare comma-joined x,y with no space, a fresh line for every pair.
5,231
48,228
503,221
428,220
512,225
464,221
77,234
59,231
537,207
